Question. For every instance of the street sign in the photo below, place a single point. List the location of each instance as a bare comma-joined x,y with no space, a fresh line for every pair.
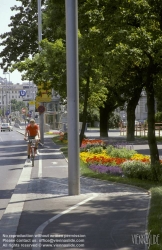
43,95
22,92
7,112
32,105
32,102
41,109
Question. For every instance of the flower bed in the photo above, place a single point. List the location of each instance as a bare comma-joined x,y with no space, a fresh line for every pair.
103,159
115,160
53,133
112,170
92,142
63,137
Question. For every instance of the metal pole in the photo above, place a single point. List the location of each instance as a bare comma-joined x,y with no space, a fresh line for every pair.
72,95
3,102
29,91
39,22
33,98
6,97
41,115
10,100
9,94
8,91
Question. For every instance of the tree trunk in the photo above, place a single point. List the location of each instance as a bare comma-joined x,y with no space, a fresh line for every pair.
131,107
85,110
154,153
104,114
130,122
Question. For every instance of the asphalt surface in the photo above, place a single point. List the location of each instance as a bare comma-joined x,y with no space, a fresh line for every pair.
42,215
12,157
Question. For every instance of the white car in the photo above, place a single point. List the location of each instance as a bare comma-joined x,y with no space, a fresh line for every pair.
6,127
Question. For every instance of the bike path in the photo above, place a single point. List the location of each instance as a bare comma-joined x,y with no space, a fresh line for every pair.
104,216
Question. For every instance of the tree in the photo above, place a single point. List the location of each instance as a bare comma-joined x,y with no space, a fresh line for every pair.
140,45
131,32
49,66
22,40
158,117
17,105
124,34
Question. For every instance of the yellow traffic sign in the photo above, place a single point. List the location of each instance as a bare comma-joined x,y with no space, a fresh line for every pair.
32,102
43,96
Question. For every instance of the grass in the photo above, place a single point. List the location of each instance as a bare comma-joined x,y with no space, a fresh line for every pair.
62,145
155,216
155,189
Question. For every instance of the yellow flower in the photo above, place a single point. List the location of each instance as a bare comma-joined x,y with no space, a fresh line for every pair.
140,157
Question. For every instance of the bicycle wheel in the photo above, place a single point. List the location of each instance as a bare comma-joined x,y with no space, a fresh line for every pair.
32,157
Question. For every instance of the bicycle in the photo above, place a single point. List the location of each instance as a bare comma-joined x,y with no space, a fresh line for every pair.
32,149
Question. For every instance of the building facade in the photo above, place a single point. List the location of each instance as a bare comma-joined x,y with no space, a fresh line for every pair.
10,91
140,111
27,92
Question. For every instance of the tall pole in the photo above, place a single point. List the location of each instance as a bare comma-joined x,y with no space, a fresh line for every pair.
41,115
39,22
72,95
3,95
8,92
33,98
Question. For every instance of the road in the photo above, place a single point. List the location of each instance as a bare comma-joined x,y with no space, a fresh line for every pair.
12,158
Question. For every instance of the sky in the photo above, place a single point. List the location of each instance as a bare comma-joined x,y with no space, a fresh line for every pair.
5,13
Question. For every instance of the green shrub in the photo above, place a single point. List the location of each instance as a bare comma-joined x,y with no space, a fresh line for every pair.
158,117
109,149
96,150
120,152
90,147
137,169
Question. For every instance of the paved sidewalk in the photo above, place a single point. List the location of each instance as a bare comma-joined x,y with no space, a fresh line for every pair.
104,216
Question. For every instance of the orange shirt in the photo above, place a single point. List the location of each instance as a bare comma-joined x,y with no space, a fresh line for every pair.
32,131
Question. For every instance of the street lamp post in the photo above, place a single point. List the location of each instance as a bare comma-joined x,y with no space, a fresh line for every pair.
7,73
3,103
9,96
5,87
72,95
41,116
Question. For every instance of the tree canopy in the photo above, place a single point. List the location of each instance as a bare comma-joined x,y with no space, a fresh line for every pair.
120,49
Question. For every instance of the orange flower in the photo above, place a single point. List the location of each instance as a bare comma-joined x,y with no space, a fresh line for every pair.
92,141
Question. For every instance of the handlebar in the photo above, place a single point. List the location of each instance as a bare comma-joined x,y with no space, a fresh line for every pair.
30,139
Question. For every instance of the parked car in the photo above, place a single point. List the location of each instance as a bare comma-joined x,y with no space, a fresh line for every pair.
6,127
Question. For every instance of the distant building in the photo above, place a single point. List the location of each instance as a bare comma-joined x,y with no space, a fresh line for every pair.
141,109
10,91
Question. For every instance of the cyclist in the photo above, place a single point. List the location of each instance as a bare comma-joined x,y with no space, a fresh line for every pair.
32,130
